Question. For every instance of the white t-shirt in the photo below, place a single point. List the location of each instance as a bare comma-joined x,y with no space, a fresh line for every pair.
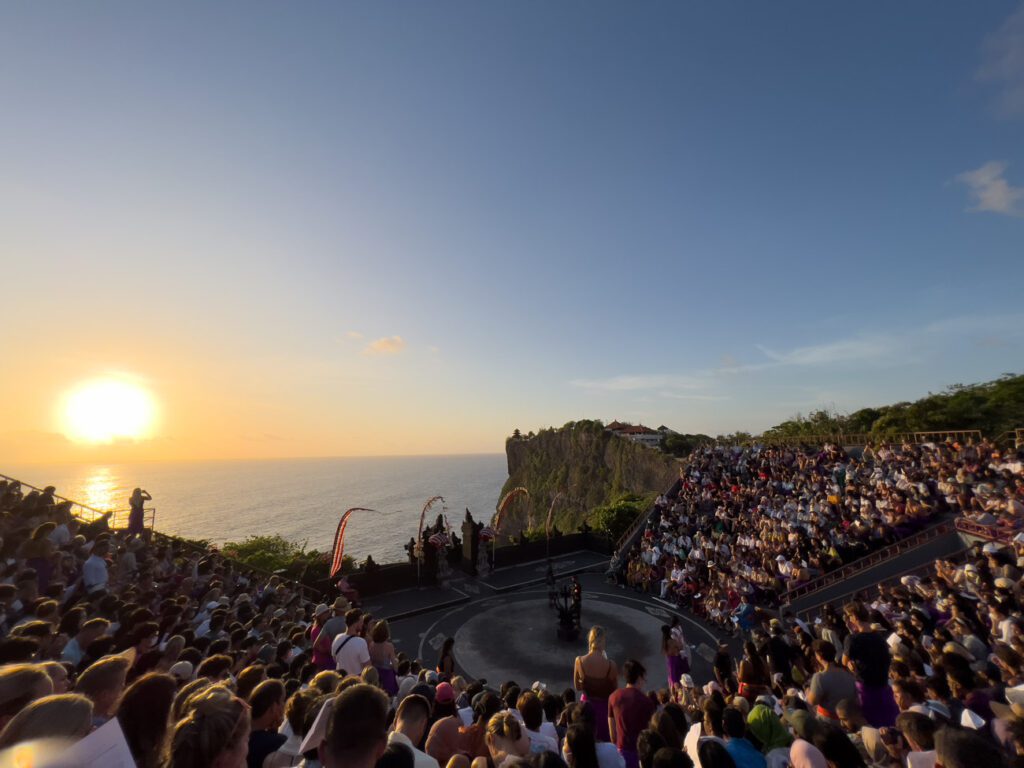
608,755
350,653
420,759
94,574
541,743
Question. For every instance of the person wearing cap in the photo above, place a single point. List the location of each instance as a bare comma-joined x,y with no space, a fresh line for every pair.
181,671
444,740
411,721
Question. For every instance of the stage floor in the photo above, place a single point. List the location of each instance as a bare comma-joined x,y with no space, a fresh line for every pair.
504,632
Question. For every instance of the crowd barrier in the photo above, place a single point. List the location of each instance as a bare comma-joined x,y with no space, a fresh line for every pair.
868,561
989,532
118,518
863,438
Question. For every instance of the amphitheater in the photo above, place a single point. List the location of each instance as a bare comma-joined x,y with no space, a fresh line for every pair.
760,556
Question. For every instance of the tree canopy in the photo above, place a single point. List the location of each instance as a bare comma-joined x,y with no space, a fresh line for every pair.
992,407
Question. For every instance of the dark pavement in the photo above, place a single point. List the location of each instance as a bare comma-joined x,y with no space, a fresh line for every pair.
504,628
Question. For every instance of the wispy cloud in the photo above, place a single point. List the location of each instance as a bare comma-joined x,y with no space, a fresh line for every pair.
990,191
843,351
687,396
1002,63
640,382
388,345
862,351
354,335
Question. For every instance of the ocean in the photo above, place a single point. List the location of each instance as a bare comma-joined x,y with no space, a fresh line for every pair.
301,499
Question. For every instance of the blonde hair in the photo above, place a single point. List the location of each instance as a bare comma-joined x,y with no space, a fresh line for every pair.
66,715
102,676
216,722
326,681
175,645
504,725
19,681
370,676
184,696
595,638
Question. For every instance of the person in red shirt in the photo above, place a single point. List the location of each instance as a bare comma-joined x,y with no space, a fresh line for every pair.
629,710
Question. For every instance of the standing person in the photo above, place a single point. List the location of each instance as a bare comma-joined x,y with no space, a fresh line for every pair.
382,654
670,649
446,661
350,651
629,711
684,652
596,677
321,639
832,684
137,515
867,656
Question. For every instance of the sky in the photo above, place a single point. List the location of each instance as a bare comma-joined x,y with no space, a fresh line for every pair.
317,229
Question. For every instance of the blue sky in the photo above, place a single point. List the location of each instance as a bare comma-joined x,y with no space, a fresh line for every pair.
707,215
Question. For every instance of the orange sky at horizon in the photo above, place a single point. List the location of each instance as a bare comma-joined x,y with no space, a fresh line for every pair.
236,409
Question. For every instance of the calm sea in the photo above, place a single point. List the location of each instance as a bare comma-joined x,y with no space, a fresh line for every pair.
300,499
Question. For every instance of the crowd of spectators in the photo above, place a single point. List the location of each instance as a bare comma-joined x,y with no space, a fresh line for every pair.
752,523
202,662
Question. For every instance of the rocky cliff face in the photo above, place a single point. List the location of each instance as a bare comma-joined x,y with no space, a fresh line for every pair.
589,466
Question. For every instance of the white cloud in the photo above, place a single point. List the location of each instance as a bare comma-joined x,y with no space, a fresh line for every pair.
1002,63
990,191
354,335
433,349
387,345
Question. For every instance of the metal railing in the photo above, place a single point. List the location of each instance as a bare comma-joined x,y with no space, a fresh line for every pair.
807,613
864,438
868,561
625,540
1012,438
118,518
988,532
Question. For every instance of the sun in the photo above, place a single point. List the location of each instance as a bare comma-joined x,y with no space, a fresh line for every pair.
105,410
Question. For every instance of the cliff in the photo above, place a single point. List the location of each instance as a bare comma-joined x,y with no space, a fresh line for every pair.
591,468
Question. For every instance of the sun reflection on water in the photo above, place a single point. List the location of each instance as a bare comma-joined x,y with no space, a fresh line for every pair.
99,488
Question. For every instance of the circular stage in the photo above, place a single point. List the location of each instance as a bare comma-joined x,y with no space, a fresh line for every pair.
513,636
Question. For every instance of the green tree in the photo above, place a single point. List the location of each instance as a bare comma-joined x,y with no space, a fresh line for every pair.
615,519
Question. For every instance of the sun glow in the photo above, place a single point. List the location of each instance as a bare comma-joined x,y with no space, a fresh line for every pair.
105,410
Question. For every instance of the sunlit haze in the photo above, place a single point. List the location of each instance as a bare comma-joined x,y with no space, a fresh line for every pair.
256,230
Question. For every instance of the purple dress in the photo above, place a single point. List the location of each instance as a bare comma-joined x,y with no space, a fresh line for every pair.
677,666
878,705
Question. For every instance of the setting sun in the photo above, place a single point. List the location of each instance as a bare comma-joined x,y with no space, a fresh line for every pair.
108,409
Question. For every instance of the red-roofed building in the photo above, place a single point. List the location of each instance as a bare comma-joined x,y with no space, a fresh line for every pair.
638,433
